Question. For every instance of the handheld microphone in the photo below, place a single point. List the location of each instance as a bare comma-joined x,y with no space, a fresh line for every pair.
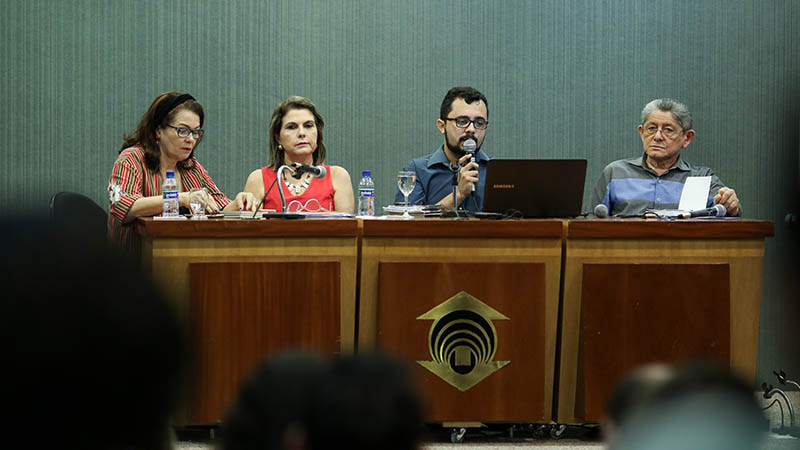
470,147
601,211
317,171
714,211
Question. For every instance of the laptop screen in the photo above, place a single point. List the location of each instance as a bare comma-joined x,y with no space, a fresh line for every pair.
535,187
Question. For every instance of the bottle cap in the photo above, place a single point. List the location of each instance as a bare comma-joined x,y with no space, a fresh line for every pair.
366,173
170,174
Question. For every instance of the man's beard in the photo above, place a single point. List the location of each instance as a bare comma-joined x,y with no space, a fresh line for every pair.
458,151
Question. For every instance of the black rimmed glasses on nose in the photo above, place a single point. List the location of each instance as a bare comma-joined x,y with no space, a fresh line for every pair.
463,122
668,132
185,132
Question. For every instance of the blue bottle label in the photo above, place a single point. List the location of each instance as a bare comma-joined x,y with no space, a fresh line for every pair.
366,192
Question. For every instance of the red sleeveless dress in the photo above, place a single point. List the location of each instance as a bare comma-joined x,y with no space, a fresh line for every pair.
317,197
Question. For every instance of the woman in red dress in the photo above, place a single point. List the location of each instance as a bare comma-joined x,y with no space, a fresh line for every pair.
295,136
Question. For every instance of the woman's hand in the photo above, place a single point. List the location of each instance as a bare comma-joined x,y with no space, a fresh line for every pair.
244,201
211,205
183,200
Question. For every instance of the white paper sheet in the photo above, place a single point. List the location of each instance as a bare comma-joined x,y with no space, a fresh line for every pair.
695,193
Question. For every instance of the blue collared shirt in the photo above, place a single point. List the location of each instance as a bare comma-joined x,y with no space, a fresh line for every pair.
435,180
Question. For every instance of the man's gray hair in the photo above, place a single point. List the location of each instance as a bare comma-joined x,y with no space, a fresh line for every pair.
679,111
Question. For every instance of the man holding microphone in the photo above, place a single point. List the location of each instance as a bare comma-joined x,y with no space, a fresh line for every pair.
463,117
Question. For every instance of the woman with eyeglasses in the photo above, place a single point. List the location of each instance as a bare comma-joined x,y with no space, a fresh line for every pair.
165,140
295,137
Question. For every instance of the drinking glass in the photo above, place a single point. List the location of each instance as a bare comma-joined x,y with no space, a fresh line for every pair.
198,202
405,182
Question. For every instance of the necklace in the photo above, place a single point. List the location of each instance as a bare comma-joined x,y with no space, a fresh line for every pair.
297,189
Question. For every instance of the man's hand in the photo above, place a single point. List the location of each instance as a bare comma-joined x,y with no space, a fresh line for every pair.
727,198
467,177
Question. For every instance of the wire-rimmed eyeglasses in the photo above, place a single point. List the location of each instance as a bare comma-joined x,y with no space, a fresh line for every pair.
668,132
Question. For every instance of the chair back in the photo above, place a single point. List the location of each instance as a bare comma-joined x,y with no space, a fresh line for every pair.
79,213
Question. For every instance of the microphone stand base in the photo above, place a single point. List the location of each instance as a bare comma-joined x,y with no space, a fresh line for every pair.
456,214
283,216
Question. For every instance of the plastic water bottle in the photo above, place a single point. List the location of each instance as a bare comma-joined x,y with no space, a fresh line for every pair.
366,194
169,191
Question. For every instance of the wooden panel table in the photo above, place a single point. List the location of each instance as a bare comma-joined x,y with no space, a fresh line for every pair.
638,291
247,288
473,305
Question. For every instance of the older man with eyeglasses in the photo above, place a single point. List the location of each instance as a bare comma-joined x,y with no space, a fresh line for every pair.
655,180
463,116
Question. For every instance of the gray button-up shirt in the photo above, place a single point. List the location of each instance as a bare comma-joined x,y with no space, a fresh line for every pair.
628,187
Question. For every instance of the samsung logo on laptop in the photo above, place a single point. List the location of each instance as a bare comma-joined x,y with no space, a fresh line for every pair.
504,186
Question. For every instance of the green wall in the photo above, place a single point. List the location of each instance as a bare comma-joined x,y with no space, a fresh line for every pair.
563,78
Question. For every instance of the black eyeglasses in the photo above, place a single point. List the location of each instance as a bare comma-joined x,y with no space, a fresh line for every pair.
463,122
184,132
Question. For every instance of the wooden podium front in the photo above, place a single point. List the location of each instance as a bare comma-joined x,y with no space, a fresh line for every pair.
246,289
472,305
639,291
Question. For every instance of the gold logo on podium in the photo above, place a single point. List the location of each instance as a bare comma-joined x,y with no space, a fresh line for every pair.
462,341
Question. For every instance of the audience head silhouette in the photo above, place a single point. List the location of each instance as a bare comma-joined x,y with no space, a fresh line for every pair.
633,392
93,356
299,401
368,401
703,407
273,409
